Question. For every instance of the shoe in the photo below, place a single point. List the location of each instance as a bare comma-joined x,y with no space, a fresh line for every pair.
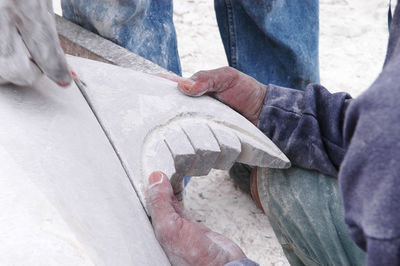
240,173
245,176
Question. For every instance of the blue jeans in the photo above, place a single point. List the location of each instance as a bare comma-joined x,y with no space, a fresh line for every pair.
143,26
275,41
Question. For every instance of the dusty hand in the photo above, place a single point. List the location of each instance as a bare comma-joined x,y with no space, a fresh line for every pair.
185,242
29,43
232,87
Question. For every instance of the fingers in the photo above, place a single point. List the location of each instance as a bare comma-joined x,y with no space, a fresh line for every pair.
15,65
161,202
202,82
216,80
239,91
230,247
184,242
169,76
37,28
184,84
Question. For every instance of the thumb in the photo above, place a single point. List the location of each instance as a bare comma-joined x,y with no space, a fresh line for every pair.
160,201
160,196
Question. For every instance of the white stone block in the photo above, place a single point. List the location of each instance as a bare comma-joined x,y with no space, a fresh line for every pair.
205,145
229,144
65,197
73,171
136,108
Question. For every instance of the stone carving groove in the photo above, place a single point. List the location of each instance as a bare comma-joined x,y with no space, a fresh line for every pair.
153,126
192,146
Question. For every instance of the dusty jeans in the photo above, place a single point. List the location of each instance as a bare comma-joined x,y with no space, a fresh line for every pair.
305,210
143,26
275,41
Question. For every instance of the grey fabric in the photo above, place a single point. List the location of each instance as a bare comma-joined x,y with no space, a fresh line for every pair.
306,212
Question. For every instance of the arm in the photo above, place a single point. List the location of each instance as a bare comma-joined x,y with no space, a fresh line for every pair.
306,125
360,137
369,176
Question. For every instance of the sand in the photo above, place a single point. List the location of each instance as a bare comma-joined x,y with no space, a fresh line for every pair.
353,39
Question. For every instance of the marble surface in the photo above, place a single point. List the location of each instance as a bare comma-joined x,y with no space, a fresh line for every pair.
146,116
75,163
64,196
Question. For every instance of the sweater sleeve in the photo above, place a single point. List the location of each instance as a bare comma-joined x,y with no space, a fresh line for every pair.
306,125
369,175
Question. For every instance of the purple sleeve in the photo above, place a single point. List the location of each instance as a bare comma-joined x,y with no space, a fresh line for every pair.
306,125
369,176
383,252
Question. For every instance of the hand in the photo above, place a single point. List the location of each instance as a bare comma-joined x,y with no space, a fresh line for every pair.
232,87
185,242
29,45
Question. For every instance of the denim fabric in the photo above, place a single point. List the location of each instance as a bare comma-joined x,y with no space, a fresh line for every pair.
274,41
143,26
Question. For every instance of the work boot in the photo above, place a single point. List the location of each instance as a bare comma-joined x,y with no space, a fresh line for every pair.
240,173
245,177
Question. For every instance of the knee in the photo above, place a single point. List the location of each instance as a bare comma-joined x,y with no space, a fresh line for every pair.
132,9
104,16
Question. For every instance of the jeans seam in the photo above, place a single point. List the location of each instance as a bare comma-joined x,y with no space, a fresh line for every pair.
232,35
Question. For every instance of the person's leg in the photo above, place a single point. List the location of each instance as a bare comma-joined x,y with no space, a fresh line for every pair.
274,41
143,26
306,212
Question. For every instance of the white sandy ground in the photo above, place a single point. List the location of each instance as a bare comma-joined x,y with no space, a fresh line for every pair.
353,39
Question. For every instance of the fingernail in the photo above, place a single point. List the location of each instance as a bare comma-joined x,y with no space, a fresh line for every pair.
66,84
155,179
186,85
63,84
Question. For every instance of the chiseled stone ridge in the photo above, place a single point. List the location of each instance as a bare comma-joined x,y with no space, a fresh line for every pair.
155,127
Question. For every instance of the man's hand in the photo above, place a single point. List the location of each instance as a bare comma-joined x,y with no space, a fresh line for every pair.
185,242
232,87
29,43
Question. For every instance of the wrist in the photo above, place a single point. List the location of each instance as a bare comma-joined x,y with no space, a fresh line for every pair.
259,103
